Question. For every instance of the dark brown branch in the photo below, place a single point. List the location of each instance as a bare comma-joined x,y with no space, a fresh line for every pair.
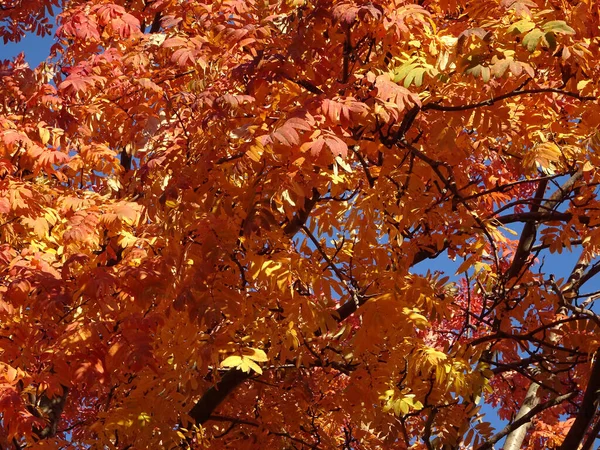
347,52
509,186
498,335
407,122
491,101
541,216
586,410
226,159
215,395
428,427
295,225
364,165
350,307
310,87
126,159
508,367
51,410
594,270
583,312
155,27
326,257
284,434
593,435
573,243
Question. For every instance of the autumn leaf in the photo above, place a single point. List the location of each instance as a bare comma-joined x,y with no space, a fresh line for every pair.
247,361
300,224
543,156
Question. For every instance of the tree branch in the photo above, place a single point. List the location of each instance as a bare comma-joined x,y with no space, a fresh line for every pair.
586,410
208,403
541,216
528,234
525,419
592,436
294,225
491,101
250,423
327,259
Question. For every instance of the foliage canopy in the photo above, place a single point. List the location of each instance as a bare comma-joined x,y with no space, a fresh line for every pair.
211,214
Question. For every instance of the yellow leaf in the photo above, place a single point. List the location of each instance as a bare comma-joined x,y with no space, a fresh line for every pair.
270,267
245,363
232,361
467,263
126,239
80,335
582,84
434,356
144,418
39,225
44,134
114,183
509,230
419,320
256,355
11,373
543,156
112,351
255,152
249,364
286,196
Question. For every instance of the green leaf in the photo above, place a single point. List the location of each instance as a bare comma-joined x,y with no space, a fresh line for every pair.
558,26
417,75
499,67
485,74
532,39
474,70
521,26
403,71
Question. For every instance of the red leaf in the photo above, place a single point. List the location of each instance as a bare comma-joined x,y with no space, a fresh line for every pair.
287,134
4,205
389,91
337,146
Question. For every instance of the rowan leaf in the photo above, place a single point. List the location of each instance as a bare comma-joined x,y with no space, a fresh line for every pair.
558,26
257,355
298,223
532,39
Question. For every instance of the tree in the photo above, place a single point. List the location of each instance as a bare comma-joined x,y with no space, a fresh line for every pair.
213,217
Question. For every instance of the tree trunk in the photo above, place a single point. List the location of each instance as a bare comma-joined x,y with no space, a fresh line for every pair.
515,438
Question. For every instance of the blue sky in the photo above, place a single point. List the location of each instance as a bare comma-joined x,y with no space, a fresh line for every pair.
36,49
